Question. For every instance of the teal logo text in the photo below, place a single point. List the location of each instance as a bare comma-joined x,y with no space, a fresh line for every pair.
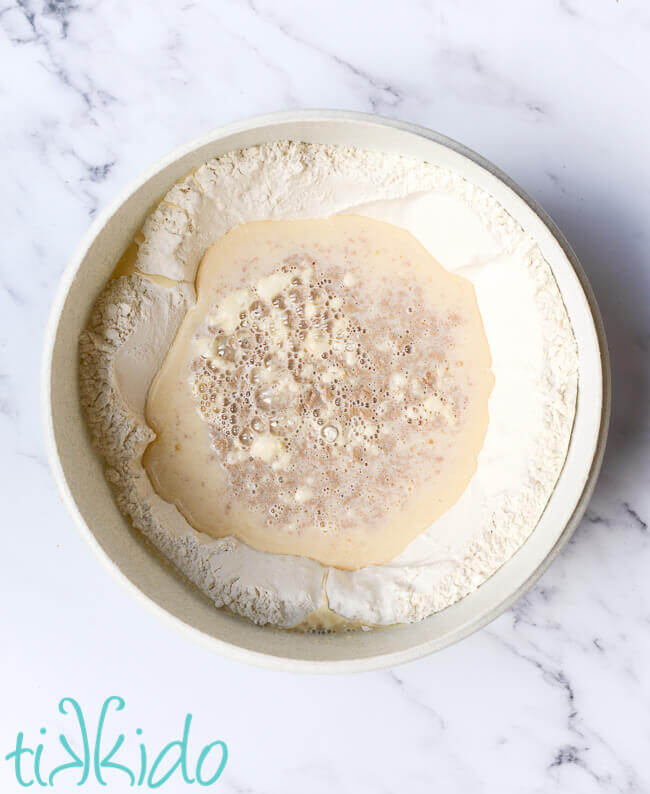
104,755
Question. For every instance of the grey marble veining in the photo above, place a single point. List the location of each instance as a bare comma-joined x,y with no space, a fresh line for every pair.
555,694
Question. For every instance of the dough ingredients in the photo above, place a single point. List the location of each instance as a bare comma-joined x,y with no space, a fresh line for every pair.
531,406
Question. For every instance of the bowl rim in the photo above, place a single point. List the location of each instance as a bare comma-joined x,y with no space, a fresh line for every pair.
226,648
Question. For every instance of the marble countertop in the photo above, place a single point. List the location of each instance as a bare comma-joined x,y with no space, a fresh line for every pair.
552,696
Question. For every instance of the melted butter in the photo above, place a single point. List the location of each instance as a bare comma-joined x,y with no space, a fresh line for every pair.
325,621
126,266
326,396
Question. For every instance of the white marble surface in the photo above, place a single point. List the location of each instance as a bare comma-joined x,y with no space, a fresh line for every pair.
555,694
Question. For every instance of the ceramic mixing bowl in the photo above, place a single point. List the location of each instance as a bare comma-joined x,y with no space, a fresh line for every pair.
85,492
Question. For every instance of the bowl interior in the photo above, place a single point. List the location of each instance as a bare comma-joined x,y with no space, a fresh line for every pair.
85,491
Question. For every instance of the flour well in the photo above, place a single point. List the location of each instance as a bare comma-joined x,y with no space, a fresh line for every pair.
531,407
318,419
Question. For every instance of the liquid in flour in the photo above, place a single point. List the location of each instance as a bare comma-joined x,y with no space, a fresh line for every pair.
326,396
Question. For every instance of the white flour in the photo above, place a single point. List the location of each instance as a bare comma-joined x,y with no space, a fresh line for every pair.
531,407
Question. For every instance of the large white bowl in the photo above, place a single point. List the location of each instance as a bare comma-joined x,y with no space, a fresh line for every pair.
78,470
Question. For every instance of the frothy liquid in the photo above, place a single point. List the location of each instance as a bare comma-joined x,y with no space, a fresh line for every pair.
327,395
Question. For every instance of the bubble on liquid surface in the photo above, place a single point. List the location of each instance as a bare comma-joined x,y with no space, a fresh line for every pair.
264,399
246,438
330,433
